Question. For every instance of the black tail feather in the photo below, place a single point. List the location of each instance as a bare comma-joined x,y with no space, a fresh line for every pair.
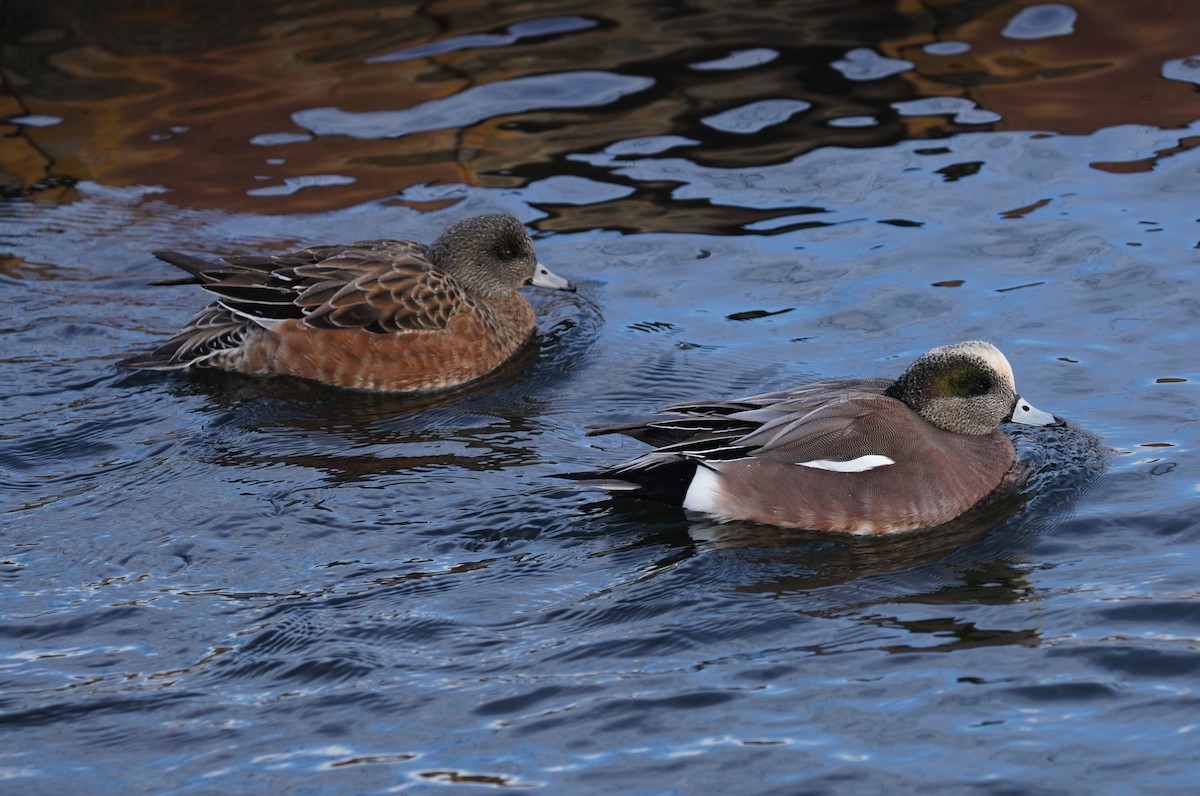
667,482
193,265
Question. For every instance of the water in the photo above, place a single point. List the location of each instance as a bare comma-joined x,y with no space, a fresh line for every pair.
216,584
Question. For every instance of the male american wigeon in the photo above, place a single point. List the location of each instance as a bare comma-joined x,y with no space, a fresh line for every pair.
386,315
862,456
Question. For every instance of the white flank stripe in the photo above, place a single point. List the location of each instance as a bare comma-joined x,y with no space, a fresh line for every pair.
859,465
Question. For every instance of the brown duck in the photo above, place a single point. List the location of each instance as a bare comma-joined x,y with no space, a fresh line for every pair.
861,456
384,315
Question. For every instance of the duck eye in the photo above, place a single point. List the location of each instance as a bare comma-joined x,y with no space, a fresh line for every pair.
509,253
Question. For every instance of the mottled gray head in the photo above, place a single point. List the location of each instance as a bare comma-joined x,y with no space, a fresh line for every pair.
966,388
491,256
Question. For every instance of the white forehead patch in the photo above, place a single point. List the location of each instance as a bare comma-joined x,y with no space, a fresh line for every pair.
992,356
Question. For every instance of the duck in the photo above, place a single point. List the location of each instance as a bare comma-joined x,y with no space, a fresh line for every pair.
391,316
857,456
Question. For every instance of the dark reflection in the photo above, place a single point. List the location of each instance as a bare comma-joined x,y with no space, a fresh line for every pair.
958,635
812,560
346,433
655,208
862,581
976,559
309,100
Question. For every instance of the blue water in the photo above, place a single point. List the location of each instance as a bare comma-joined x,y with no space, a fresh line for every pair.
218,584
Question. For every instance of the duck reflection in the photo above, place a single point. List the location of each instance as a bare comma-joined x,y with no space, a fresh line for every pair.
979,558
351,436
811,559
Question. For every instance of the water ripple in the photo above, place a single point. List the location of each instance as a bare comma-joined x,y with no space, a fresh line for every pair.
218,579
474,104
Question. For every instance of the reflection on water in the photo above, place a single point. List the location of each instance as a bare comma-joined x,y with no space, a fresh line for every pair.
262,422
475,104
475,97
1041,22
1061,465
211,580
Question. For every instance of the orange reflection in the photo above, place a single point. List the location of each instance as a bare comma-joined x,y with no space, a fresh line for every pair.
1105,73
178,94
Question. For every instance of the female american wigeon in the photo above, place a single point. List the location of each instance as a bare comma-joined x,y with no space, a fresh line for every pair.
386,315
862,456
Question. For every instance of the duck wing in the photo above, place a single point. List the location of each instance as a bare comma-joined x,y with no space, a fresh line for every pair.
819,422
382,286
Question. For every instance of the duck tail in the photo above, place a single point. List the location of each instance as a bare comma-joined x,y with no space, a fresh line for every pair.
195,267
660,478
214,331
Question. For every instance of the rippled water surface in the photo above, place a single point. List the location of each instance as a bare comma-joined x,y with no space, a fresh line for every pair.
218,584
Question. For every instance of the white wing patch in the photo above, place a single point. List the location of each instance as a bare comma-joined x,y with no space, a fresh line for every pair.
859,465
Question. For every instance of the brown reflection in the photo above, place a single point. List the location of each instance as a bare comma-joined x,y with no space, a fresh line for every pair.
641,212
1104,74
450,777
1021,212
1147,164
21,164
958,635
352,437
866,578
174,93
911,562
370,760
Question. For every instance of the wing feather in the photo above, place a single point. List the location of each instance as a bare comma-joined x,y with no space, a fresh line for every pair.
394,297
379,286
213,331
824,421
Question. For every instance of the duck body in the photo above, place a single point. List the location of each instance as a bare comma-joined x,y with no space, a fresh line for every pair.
383,363
383,315
860,456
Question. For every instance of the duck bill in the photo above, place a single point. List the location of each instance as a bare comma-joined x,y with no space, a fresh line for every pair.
544,277
1027,414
